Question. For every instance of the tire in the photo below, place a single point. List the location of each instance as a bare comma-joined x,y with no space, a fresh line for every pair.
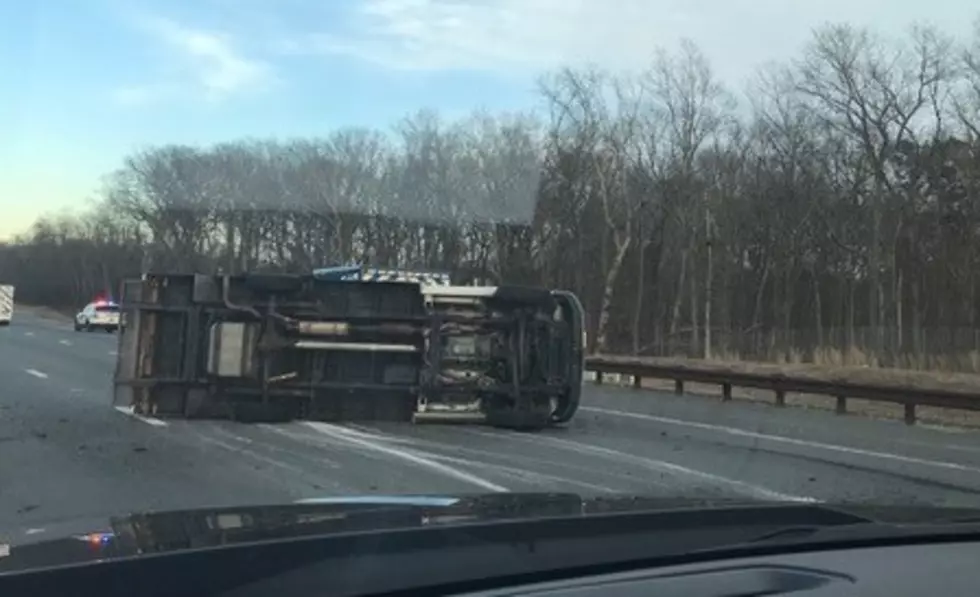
567,406
569,402
77,327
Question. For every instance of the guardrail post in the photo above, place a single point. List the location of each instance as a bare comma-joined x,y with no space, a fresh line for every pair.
637,382
780,398
598,378
679,387
726,392
910,414
841,405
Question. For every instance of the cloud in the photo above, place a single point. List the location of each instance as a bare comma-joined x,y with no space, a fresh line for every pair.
202,63
520,37
499,35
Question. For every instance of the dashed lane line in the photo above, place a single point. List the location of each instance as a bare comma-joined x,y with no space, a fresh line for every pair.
36,373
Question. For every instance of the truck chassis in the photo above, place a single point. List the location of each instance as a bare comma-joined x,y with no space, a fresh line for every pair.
266,347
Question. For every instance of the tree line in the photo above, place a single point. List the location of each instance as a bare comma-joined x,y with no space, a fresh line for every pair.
829,213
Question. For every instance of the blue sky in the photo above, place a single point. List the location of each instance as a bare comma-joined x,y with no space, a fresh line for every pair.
82,82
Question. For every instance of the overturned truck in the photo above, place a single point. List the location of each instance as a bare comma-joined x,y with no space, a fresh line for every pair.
331,347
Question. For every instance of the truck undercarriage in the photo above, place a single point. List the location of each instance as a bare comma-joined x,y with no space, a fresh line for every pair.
279,347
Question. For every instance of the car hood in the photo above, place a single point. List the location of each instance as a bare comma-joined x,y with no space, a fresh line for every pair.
148,533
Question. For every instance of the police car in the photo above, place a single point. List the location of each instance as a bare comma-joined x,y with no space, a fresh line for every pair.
100,314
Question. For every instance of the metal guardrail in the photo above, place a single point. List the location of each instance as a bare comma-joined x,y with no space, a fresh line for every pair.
635,370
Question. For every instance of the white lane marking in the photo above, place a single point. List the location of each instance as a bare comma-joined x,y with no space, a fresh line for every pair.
482,458
319,460
412,456
65,342
33,531
526,476
36,373
324,441
485,457
128,410
669,467
251,454
788,440
429,449
113,353
28,333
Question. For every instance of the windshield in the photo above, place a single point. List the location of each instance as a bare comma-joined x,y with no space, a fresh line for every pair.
707,250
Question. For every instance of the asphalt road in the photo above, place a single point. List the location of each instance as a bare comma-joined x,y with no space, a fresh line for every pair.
68,457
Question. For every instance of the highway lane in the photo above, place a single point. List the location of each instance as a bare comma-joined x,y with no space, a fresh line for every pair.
66,454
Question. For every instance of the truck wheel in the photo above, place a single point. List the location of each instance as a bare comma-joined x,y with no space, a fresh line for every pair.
567,406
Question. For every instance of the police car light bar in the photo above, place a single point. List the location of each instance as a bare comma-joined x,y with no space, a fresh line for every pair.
102,301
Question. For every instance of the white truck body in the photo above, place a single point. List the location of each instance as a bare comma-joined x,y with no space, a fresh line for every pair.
6,303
